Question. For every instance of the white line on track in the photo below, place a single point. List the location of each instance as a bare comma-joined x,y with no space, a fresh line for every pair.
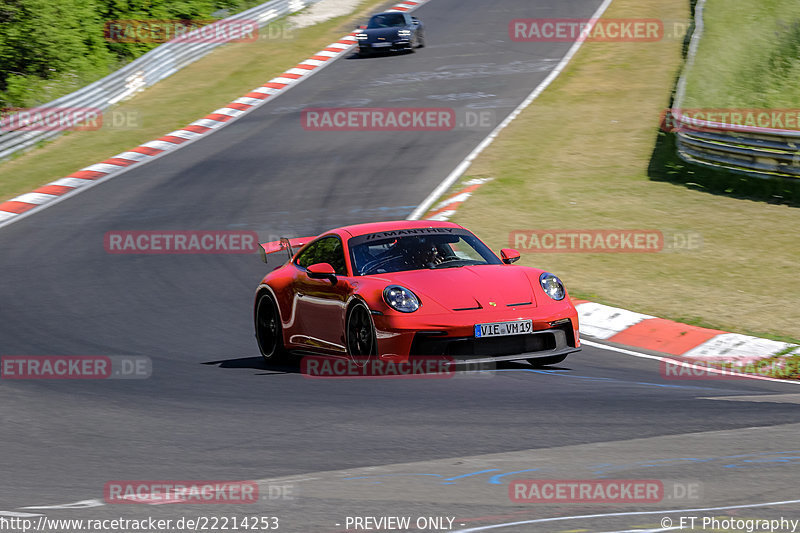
629,513
462,167
683,362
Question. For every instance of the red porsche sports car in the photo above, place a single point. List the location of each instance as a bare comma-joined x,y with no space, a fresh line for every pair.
410,288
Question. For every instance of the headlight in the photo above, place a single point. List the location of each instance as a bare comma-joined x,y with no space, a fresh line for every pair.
404,33
401,299
361,36
552,286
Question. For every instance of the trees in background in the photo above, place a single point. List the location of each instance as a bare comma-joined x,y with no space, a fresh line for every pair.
50,48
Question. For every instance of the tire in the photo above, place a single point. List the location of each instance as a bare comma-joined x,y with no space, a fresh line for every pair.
360,332
420,39
545,361
269,333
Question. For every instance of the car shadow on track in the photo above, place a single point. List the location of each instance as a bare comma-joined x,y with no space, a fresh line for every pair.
512,365
376,55
258,363
293,366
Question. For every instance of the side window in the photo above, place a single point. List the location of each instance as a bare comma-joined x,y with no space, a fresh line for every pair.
326,250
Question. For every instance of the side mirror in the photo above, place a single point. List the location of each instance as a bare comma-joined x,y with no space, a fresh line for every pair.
415,20
509,255
322,271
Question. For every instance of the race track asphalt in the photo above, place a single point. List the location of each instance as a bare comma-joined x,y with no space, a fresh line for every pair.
213,410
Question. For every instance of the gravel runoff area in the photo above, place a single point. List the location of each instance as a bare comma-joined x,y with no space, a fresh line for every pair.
322,11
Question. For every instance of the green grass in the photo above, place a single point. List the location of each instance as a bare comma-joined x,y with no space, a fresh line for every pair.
749,56
582,156
206,85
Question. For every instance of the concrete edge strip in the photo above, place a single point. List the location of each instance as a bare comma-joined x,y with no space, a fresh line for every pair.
58,190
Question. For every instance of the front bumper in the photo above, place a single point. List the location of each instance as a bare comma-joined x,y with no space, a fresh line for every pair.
539,344
554,333
387,46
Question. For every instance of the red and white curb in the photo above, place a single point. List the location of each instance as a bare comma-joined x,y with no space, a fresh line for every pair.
447,207
625,327
28,203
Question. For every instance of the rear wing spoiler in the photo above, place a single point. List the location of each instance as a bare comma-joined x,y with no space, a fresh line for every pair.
289,245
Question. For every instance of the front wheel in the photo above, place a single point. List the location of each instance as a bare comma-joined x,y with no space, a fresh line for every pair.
360,332
420,39
269,332
545,361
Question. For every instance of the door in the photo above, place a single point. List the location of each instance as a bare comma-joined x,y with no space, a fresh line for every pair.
320,304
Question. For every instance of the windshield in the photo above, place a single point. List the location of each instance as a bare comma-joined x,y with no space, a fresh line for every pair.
396,252
387,20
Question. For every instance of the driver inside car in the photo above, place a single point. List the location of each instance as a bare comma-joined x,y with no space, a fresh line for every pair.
421,253
406,253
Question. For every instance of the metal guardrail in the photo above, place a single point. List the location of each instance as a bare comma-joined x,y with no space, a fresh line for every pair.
761,153
758,152
157,64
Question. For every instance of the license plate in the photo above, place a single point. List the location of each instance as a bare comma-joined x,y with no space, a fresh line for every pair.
379,45
498,329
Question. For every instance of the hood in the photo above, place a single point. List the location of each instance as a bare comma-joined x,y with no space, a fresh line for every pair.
386,33
470,287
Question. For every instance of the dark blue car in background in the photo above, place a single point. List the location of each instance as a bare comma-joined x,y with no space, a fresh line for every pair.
390,31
